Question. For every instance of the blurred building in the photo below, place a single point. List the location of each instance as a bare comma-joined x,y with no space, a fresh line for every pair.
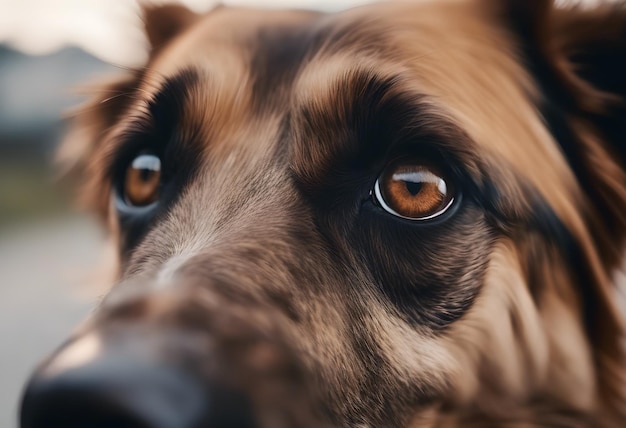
35,91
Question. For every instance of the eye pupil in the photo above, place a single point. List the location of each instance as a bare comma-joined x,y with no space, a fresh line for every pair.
145,174
413,188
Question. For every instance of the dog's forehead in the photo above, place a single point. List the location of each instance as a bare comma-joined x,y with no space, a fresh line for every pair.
266,59
272,45
237,40
256,64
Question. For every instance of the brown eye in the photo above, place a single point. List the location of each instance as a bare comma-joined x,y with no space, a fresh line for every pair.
413,191
141,186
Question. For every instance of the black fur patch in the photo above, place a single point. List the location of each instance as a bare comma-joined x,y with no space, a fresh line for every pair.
156,133
279,52
426,272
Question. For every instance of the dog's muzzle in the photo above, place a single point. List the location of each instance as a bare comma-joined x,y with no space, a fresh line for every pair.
128,380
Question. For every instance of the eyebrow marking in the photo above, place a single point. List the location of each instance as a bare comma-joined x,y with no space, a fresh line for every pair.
153,125
166,106
155,128
362,118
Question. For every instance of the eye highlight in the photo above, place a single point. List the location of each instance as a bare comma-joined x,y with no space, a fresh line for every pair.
142,180
413,191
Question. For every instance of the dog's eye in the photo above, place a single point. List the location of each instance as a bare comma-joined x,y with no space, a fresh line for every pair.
413,191
142,180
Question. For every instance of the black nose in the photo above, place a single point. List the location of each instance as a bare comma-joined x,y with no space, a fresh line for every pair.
122,388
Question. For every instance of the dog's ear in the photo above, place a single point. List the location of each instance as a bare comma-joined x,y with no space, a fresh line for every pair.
585,52
593,43
162,23
577,56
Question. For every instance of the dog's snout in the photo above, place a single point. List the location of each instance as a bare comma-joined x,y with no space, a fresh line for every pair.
119,387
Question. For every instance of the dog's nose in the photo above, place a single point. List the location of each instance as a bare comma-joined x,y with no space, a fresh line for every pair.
84,387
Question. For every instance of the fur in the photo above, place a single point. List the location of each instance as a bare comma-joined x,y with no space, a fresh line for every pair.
276,125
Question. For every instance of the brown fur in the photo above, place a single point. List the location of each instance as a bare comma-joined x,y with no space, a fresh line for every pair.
504,315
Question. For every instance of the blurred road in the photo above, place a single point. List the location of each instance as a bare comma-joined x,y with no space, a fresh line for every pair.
46,256
46,290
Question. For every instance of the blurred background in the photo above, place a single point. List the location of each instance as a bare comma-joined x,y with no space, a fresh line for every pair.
50,256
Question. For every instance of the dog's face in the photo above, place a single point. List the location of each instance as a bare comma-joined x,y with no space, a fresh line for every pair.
400,215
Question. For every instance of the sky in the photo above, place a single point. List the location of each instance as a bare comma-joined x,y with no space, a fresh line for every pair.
109,29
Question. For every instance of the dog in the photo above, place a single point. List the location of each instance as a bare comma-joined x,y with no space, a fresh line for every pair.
408,214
